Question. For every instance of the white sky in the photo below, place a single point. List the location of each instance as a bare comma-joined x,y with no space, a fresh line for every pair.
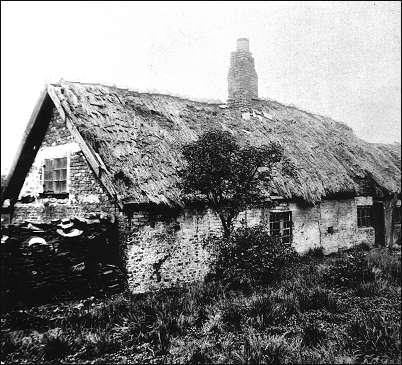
340,59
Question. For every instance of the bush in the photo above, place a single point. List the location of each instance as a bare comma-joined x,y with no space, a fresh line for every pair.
360,247
315,253
348,271
251,257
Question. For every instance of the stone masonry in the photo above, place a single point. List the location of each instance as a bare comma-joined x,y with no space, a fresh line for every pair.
242,77
166,251
85,192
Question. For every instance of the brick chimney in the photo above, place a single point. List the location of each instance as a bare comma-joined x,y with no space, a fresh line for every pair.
242,77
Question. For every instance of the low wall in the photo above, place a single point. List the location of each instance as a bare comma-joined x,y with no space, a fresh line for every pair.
45,209
59,268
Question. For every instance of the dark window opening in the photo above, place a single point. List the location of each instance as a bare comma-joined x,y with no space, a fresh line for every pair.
55,176
364,214
396,215
280,225
331,229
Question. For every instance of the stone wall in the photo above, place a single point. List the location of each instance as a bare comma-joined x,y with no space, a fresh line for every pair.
167,250
332,224
85,192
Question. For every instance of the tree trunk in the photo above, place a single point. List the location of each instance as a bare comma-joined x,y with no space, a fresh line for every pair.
225,226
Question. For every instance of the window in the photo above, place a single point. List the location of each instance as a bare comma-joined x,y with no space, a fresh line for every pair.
364,215
280,224
55,175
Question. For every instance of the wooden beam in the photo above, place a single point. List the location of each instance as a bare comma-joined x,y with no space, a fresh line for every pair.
95,162
28,148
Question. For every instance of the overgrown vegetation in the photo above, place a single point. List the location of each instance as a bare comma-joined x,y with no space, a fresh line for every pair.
339,309
250,257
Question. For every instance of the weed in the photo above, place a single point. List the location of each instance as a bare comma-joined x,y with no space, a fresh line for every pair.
370,289
347,271
232,315
312,333
375,333
315,253
260,312
280,323
360,247
56,347
317,298
390,265
262,349
199,356
97,344
10,342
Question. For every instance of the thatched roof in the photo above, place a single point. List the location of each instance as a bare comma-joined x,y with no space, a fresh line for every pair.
138,136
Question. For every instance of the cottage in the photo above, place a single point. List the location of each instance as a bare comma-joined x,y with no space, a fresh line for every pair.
95,148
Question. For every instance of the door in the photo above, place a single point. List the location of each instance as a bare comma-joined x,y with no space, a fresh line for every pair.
378,222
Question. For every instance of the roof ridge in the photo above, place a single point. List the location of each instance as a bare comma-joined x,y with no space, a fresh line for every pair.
143,92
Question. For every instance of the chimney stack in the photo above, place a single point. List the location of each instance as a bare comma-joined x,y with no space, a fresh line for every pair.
242,45
242,77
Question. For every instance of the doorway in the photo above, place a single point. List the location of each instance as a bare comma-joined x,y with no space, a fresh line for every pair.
378,222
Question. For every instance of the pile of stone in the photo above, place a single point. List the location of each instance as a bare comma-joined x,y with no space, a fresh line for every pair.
58,260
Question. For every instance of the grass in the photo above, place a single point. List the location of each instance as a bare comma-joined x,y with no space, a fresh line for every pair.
341,309
385,263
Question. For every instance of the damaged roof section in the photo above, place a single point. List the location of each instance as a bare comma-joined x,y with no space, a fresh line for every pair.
137,137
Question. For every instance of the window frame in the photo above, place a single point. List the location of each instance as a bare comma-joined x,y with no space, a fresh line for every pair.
283,223
58,194
364,220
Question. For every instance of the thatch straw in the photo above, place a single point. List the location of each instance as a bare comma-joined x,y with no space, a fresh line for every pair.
139,135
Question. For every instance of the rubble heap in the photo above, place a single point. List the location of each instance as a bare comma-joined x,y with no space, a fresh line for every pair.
59,260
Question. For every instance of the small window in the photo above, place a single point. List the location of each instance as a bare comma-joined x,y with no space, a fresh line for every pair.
364,215
330,229
55,175
280,224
